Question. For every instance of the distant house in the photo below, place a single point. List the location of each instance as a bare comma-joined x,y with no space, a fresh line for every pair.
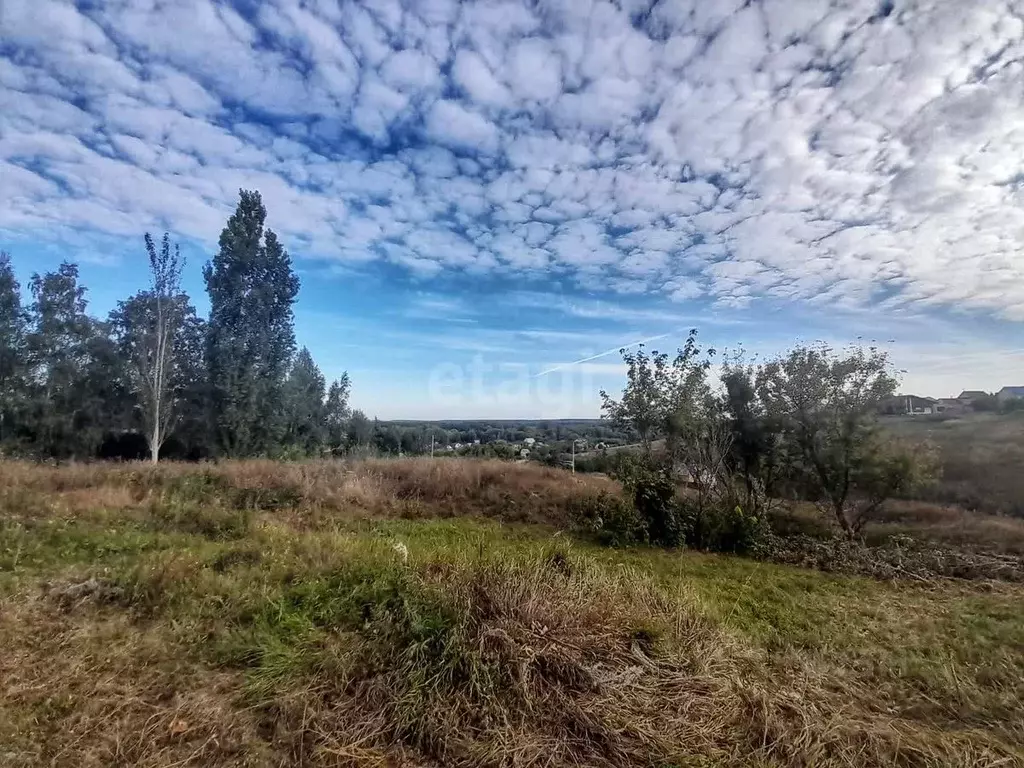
1009,393
528,442
968,396
949,406
908,405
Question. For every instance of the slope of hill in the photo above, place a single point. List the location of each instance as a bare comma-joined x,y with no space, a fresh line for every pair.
419,613
982,457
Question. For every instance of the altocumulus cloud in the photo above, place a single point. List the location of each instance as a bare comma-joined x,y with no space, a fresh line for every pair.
854,153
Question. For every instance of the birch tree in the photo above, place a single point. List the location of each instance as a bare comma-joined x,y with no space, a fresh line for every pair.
151,343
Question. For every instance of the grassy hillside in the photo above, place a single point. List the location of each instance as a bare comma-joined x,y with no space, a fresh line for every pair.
418,613
982,456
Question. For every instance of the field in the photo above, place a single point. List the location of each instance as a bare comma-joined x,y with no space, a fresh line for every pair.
981,458
426,613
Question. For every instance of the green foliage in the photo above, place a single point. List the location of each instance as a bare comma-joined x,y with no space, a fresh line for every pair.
14,392
756,453
77,378
337,413
360,429
250,335
721,527
661,393
655,512
827,405
653,494
304,393
612,520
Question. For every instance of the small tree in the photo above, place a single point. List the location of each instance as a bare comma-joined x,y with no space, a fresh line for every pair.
639,409
663,396
336,412
150,342
304,393
827,404
757,453
360,429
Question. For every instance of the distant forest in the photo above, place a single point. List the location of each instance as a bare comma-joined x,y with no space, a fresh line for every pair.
154,379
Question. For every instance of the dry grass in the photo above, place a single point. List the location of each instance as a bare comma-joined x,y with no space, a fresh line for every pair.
950,525
981,456
405,488
258,614
99,690
934,523
540,664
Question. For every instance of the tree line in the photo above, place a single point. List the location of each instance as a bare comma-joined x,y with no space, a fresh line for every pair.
154,377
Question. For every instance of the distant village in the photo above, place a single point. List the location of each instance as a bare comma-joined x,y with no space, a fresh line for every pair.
970,400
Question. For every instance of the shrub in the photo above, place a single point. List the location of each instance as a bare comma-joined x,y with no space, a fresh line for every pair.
612,519
722,526
655,513
653,492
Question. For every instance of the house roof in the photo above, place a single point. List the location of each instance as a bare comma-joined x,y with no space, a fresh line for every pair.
1015,391
971,393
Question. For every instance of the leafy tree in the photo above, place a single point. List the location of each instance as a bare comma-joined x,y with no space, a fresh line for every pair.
756,449
360,429
386,437
107,402
336,412
827,404
13,353
304,394
250,338
192,437
59,353
639,409
180,414
664,397
150,324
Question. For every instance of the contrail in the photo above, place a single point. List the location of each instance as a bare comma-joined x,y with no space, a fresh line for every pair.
601,354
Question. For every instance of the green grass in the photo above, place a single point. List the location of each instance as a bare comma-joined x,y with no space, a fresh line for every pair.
325,641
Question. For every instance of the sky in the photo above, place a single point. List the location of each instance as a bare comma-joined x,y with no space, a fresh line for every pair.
485,201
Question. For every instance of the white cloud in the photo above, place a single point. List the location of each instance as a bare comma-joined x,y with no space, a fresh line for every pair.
808,152
410,69
453,125
535,70
471,73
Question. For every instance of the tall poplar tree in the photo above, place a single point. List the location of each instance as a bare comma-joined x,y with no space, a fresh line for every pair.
250,335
